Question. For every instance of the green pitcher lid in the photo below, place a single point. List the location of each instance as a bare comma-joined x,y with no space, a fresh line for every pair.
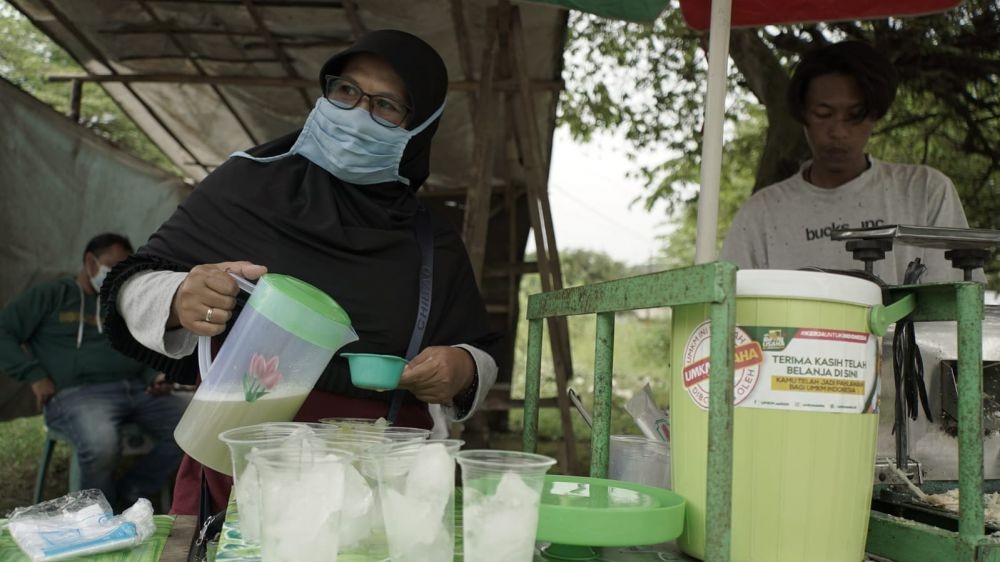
303,310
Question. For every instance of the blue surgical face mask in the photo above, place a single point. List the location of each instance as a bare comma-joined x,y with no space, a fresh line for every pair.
349,144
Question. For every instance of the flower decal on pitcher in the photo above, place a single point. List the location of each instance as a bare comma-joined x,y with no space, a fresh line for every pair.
261,378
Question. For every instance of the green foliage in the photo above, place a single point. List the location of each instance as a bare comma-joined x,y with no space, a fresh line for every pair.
579,267
738,164
642,347
649,85
27,57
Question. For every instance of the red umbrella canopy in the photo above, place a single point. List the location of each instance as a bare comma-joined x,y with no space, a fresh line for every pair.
757,13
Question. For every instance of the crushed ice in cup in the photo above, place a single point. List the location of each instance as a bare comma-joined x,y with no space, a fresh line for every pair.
432,476
247,484
302,439
301,510
500,527
416,518
248,503
359,504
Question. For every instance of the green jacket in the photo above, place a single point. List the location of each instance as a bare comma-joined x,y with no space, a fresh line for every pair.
46,320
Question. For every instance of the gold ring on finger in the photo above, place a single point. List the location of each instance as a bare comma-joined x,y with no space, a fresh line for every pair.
208,315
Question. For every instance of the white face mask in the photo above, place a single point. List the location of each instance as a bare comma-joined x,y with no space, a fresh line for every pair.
350,145
97,280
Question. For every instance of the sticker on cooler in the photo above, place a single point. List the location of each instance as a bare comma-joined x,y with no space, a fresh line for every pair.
748,365
803,369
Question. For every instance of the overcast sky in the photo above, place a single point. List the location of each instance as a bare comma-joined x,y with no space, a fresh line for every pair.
592,201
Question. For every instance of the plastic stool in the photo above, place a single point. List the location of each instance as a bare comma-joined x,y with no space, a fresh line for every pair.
134,442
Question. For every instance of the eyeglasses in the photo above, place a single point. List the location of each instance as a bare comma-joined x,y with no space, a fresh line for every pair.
346,94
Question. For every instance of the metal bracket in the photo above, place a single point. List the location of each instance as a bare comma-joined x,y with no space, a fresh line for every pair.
884,473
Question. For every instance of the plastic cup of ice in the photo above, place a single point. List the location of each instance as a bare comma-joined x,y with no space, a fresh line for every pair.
241,442
365,535
362,531
416,483
302,497
501,492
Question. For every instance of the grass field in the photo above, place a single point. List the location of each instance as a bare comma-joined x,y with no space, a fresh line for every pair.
21,444
642,351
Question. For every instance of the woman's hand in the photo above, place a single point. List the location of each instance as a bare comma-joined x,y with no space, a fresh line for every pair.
204,301
438,373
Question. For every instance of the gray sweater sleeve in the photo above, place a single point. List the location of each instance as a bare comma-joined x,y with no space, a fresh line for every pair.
144,301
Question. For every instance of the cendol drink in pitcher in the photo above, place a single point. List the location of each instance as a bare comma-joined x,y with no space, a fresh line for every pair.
281,343
206,418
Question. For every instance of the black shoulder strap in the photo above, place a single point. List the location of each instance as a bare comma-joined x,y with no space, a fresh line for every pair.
425,239
209,525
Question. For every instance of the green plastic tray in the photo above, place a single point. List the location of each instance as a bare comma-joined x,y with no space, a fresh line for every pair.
581,511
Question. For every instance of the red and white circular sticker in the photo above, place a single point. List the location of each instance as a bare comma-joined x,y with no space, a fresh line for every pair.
749,358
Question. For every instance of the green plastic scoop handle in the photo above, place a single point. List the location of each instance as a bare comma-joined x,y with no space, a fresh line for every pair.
881,316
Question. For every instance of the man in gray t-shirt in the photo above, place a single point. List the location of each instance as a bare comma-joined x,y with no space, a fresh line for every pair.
838,92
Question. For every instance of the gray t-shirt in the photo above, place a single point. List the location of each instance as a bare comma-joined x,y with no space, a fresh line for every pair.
787,225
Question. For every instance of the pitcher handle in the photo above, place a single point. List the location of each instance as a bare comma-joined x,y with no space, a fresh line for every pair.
881,317
205,342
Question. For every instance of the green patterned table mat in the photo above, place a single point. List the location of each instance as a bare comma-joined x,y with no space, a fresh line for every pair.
148,551
231,546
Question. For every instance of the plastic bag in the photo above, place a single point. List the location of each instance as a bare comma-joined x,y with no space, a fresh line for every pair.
77,524
653,422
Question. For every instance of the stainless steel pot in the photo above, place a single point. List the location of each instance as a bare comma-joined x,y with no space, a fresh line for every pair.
934,445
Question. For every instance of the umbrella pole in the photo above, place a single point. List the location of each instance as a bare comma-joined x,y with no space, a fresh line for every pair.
711,148
718,501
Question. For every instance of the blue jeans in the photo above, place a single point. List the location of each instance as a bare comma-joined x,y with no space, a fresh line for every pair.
91,416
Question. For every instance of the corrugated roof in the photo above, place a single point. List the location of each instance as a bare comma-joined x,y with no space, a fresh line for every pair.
205,78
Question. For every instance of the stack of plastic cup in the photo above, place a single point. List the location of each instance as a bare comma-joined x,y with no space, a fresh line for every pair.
356,422
501,492
374,545
395,433
417,490
302,496
241,441
633,458
381,425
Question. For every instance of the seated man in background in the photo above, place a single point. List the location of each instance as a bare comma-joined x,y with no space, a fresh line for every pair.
51,337
839,92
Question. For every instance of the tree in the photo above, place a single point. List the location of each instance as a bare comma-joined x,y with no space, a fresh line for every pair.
580,267
27,56
947,113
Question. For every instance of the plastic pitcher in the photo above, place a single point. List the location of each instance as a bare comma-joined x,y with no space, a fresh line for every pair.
805,421
280,345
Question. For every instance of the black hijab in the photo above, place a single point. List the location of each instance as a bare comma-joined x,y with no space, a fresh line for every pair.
356,243
426,79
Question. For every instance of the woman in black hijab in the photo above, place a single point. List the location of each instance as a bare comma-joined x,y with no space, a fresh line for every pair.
335,206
